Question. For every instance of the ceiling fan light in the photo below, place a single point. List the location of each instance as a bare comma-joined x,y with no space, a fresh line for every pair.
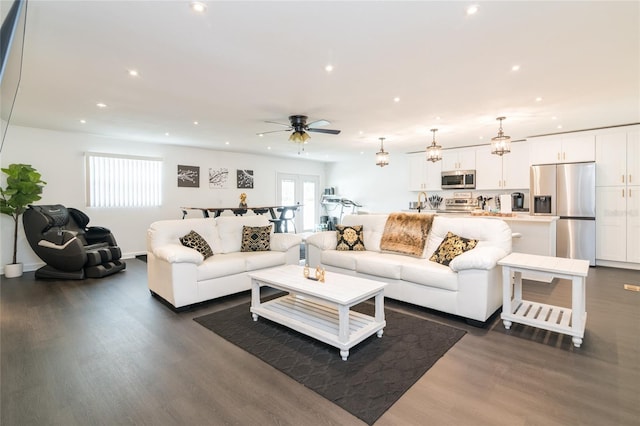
501,144
299,137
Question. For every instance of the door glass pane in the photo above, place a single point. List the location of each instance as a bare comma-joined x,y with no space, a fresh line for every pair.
309,202
288,192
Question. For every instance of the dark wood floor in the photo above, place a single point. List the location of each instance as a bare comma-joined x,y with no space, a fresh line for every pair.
104,352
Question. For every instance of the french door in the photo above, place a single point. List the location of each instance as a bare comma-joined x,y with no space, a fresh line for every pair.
300,189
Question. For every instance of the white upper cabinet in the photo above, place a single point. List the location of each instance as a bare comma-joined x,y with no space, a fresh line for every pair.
618,159
423,175
417,172
515,167
611,159
510,171
488,169
570,148
459,159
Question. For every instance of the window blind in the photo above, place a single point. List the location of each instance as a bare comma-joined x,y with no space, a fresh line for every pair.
123,181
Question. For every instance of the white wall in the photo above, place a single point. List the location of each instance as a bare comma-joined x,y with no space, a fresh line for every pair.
378,189
59,157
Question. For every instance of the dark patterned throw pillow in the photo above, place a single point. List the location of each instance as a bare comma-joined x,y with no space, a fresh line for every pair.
350,238
256,238
195,241
450,247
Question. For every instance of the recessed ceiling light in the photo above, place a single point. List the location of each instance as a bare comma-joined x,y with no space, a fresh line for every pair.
472,10
360,132
101,105
226,142
166,134
559,126
554,118
133,73
198,6
515,68
328,68
261,134
538,99
195,123
437,118
481,137
83,121
396,99
269,148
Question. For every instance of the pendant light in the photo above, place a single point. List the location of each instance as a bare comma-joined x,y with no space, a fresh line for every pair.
501,144
382,157
434,152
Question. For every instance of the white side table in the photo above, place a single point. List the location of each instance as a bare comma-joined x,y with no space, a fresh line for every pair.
548,317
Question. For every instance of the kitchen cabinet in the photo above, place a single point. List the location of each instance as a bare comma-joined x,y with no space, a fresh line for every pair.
459,159
570,148
509,171
618,197
618,159
423,175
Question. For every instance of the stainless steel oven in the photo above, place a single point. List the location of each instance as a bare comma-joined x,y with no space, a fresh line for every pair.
459,179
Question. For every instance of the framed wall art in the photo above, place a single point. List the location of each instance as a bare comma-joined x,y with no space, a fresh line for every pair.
188,176
218,178
244,179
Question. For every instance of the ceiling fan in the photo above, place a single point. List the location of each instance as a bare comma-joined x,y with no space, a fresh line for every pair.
300,127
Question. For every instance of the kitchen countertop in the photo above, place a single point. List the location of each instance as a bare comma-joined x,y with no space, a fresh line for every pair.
519,217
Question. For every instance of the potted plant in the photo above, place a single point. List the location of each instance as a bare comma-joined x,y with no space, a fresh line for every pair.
24,187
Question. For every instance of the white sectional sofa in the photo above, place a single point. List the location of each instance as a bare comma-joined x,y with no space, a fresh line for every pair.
470,287
182,277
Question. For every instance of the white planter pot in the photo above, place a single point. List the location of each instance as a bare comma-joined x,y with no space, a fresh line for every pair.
13,270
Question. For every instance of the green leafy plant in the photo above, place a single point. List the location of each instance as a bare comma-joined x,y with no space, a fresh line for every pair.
24,187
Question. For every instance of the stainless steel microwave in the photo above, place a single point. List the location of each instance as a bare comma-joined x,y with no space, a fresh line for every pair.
459,179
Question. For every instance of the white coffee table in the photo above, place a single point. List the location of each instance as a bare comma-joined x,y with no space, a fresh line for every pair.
320,310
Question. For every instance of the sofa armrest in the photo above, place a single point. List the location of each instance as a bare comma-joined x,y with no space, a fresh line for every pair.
325,240
177,253
284,241
478,258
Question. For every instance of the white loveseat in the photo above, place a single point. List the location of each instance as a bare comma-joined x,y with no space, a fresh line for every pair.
182,277
470,287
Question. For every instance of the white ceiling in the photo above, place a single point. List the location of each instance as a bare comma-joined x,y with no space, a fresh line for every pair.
242,63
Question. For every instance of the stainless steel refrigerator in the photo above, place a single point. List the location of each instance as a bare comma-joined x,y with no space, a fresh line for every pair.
569,191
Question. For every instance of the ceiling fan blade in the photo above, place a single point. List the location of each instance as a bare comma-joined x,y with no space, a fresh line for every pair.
318,123
279,124
331,132
273,131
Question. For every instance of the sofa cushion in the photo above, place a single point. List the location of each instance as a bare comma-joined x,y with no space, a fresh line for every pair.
431,274
350,238
341,259
256,238
264,259
381,265
452,246
230,230
221,265
195,241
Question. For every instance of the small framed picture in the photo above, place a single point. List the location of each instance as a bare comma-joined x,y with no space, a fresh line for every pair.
245,179
188,176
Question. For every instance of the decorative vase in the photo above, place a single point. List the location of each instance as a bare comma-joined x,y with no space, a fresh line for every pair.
13,270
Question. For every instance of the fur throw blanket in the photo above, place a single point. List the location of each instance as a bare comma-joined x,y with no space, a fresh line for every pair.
406,233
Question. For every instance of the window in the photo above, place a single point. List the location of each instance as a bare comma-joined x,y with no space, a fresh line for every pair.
123,181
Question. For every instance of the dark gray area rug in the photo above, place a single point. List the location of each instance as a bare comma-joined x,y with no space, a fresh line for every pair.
377,373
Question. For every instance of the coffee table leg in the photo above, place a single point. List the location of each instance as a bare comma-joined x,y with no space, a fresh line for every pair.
344,355
379,300
255,297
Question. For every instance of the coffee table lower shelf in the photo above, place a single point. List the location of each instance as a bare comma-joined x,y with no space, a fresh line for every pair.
319,320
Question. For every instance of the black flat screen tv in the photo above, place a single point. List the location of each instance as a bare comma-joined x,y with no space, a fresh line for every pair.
11,48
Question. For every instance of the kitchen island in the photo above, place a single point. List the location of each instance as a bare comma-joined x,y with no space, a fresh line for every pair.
531,234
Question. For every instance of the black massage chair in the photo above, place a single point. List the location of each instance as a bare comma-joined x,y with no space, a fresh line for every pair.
71,250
